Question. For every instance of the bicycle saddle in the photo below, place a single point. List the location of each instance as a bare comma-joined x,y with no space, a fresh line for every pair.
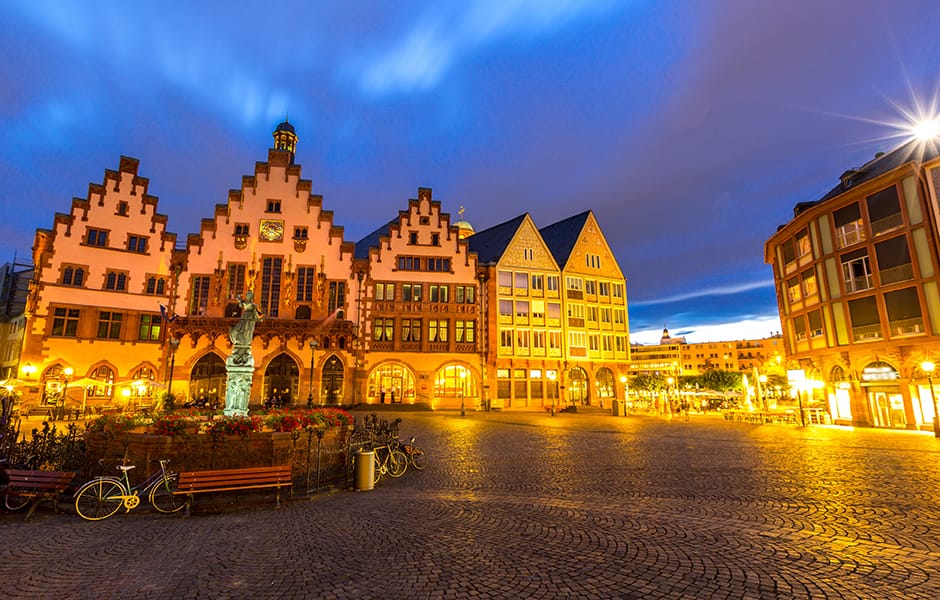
126,467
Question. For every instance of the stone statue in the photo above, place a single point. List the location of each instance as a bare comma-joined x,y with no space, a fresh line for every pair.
242,332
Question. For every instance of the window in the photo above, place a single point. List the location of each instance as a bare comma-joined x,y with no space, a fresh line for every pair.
522,310
438,293
300,233
538,282
592,314
856,271
156,286
236,280
554,310
590,287
109,325
411,292
594,344
271,269
136,243
409,263
608,343
605,315
521,281
413,238
411,330
441,265
385,291
538,309
241,229
618,290
866,325
522,341
97,237
337,296
382,329
904,312
505,308
504,279
884,211
505,339
122,208
274,206
437,330
149,329
808,278
574,283
815,323
466,294
620,316
894,260
74,276
552,283
538,340
577,339
528,253
306,278
802,243
603,288
554,340
465,331
116,281
848,224
592,260
576,311
799,328
65,322
435,239
199,297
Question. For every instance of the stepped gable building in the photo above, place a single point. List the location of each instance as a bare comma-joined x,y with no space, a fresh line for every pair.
101,274
272,238
857,275
421,311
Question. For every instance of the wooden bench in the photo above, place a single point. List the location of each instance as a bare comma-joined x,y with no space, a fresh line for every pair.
229,480
35,411
37,486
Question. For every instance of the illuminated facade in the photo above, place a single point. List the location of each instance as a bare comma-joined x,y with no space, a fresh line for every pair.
857,278
119,311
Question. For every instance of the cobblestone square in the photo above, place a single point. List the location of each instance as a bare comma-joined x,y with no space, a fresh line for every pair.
525,505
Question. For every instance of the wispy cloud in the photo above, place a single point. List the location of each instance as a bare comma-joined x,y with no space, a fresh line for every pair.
449,31
747,329
728,290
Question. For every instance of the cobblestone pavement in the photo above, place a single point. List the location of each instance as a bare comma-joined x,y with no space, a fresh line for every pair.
531,506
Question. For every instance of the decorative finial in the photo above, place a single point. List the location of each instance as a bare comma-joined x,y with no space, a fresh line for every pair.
460,212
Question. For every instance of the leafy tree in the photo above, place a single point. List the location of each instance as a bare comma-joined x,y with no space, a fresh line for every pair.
721,381
648,383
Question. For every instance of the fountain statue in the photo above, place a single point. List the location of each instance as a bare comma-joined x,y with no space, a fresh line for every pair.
240,365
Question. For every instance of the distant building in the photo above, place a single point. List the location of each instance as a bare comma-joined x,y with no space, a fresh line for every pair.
14,291
673,356
858,289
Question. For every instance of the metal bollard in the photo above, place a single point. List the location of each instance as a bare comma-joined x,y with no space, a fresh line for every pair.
364,475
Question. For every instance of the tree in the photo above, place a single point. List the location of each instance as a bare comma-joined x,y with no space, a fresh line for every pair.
721,381
648,383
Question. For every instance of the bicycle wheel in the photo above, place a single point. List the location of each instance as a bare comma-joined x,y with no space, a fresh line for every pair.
419,459
99,499
162,497
14,502
397,463
377,475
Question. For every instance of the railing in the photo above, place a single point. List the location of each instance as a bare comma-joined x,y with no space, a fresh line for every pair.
895,274
857,284
866,333
903,327
887,224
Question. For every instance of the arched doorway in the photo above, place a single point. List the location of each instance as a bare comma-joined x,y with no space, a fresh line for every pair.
606,390
331,381
885,402
455,385
389,383
577,386
281,381
207,382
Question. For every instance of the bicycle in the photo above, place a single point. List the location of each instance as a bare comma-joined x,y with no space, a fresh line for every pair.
103,496
14,502
389,461
416,456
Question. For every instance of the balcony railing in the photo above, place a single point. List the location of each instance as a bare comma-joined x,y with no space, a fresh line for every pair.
896,274
866,333
888,223
857,284
905,327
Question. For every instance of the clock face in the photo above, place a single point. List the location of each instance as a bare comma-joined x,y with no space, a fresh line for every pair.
272,231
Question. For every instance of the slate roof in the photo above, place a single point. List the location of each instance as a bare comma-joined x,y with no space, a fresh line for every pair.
561,237
372,240
911,151
490,244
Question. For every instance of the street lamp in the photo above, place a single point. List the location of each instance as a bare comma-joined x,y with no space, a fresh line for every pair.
626,393
174,344
551,377
928,367
313,352
463,390
67,371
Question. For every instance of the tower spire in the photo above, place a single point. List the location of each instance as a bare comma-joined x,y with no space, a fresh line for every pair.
285,138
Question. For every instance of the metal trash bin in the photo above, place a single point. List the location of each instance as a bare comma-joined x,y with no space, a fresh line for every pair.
364,473
617,409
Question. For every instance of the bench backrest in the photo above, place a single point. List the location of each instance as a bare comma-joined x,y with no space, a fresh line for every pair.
249,476
39,479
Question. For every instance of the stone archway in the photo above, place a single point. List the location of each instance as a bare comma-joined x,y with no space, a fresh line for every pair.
577,387
207,382
331,381
281,381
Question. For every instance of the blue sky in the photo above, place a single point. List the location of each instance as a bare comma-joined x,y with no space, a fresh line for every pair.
690,128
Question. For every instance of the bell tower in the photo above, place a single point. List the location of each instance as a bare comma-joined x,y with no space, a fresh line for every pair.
285,139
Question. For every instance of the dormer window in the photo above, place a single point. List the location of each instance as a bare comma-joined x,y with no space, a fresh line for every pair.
274,206
122,208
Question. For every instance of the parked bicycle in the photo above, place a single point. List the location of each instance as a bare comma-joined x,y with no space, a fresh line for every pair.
389,461
103,496
12,501
416,456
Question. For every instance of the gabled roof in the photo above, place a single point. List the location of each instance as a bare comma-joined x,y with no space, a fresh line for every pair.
914,150
562,236
372,240
490,244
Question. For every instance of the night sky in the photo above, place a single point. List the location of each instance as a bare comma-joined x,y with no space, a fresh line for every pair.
691,129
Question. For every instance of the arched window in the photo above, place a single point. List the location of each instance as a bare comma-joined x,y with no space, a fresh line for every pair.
577,386
605,383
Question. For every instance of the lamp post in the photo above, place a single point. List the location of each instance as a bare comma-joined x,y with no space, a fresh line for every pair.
551,377
67,372
463,390
761,391
174,344
626,394
313,366
928,367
